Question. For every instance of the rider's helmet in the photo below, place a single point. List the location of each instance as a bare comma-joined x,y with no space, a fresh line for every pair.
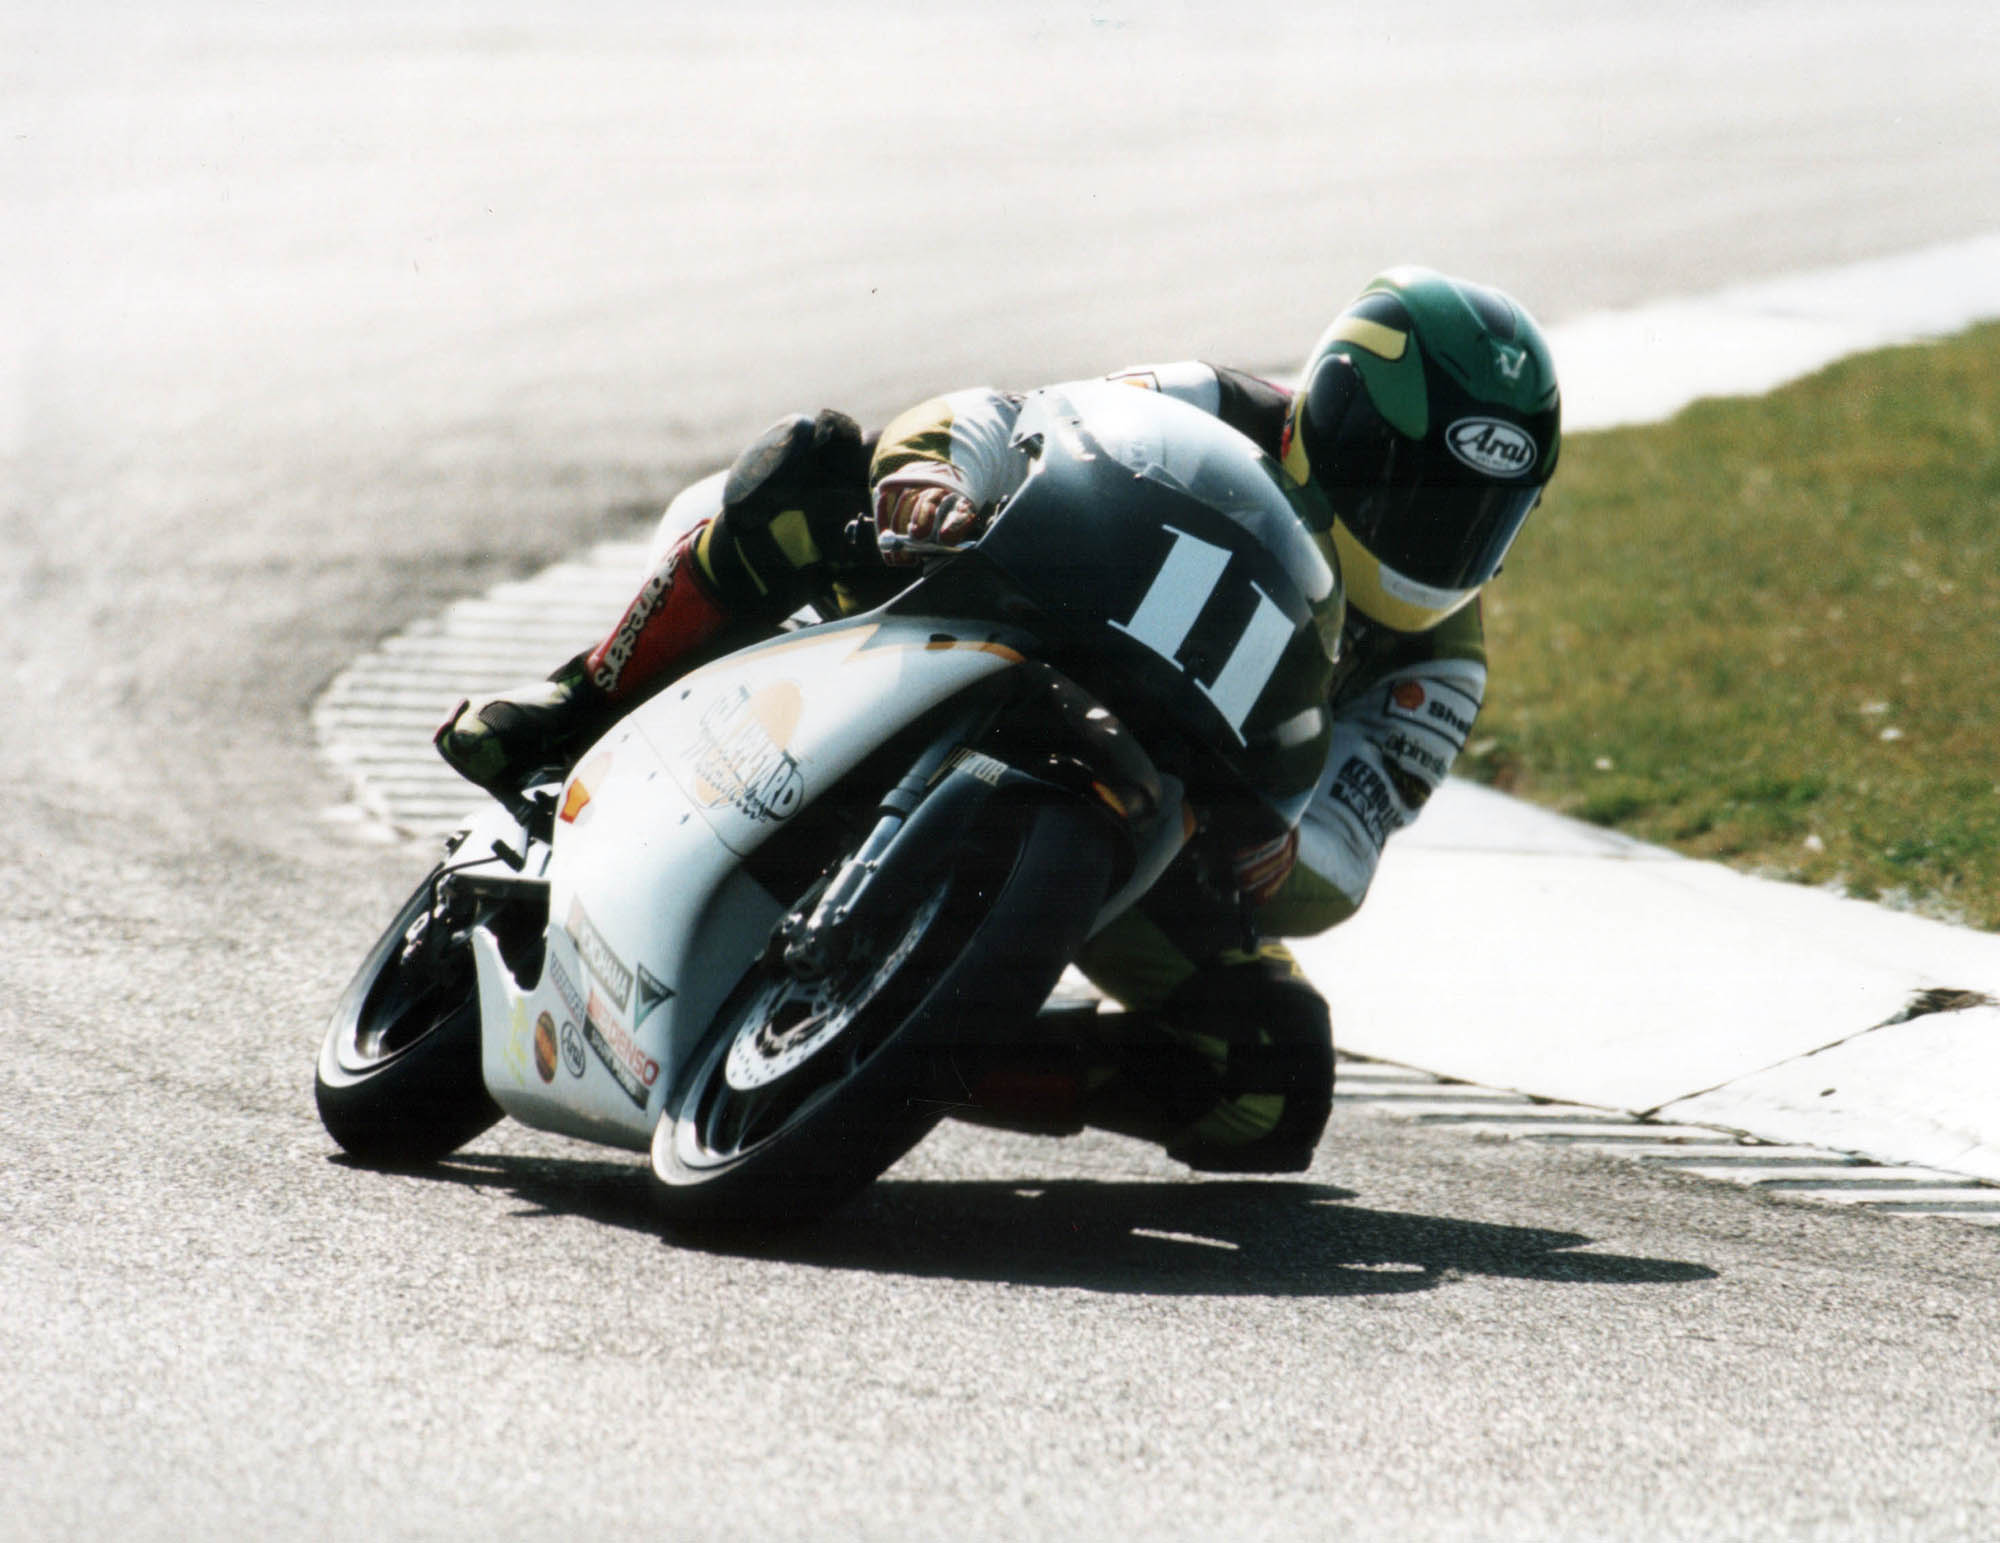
1428,415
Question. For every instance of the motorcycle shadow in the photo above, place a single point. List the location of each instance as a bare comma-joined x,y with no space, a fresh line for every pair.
1194,1237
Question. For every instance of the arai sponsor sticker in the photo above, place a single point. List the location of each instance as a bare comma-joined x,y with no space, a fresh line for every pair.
1493,446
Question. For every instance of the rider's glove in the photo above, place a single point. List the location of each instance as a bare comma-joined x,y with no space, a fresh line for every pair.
924,503
1260,871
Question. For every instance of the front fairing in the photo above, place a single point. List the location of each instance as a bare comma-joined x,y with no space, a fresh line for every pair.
656,906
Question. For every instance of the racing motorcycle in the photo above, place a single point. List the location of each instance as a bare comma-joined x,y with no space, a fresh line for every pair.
771,924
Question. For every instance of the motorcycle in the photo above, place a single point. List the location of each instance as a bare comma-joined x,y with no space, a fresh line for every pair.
770,926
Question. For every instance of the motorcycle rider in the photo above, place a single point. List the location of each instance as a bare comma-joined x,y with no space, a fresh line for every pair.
1429,417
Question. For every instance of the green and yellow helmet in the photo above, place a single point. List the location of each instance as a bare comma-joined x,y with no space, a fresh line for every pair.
1428,415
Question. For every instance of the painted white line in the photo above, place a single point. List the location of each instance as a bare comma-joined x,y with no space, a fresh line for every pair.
1826,1175
1429,1096
1941,1201
1603,1129
1721,1149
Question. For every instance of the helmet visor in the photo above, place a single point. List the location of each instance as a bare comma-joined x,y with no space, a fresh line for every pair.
1441,510
1449,537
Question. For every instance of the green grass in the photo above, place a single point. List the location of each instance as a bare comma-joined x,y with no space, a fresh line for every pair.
1768,632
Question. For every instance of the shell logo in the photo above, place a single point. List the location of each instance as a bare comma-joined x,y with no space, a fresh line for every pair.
576,797
1407,695
545,1048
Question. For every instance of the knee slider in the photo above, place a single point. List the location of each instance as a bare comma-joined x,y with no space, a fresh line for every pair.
769,463
796,460
785,506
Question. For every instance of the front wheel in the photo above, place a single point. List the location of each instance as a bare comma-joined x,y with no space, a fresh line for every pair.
399,1078
805,1091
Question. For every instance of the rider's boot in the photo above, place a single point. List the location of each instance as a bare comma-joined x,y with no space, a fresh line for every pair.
508,740
1232,1074
787,500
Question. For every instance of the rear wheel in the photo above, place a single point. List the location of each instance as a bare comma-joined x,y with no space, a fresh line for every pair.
806,1090
399,1076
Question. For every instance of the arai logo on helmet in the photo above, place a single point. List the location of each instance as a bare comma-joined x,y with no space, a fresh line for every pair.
1492,445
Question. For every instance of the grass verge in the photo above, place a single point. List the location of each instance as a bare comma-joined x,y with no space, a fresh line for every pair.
1768,632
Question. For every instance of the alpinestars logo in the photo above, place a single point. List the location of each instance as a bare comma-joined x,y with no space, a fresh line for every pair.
610,664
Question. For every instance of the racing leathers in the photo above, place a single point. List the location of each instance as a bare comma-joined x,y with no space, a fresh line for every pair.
1224,1054
1403,705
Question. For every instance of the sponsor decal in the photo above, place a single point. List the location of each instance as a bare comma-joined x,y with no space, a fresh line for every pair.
1359,789
1436,707
565,987
1145,380
545,1048
1411,788
1492,446
630,1067
1459,724
572,1050
1399,747
740,754
976,764
1510,358
597,955
652,992
514,1049
611,660
576,797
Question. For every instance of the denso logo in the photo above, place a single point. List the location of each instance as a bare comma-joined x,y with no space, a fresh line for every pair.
1491,445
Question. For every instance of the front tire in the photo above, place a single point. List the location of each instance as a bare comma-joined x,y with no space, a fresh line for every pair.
399,1078
805,1092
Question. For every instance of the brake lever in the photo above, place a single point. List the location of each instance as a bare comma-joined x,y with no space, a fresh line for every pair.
888,542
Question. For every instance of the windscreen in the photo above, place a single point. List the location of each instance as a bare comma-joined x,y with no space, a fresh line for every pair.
1164,440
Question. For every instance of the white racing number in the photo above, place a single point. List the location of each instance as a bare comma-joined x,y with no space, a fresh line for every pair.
1174,601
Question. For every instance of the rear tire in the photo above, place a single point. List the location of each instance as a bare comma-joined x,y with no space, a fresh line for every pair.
399,1079
802,1094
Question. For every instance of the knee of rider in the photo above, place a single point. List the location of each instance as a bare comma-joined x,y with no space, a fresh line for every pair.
1305,905
1134,962
778,536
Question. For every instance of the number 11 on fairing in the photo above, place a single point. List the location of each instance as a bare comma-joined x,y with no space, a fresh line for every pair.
1186,582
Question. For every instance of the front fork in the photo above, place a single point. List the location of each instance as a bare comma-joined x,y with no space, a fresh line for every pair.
881,873
920,820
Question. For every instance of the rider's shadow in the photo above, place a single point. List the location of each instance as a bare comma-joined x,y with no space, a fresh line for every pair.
1189,1238
1159,1238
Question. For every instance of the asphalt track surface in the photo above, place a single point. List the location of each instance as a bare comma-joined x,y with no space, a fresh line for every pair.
314,323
